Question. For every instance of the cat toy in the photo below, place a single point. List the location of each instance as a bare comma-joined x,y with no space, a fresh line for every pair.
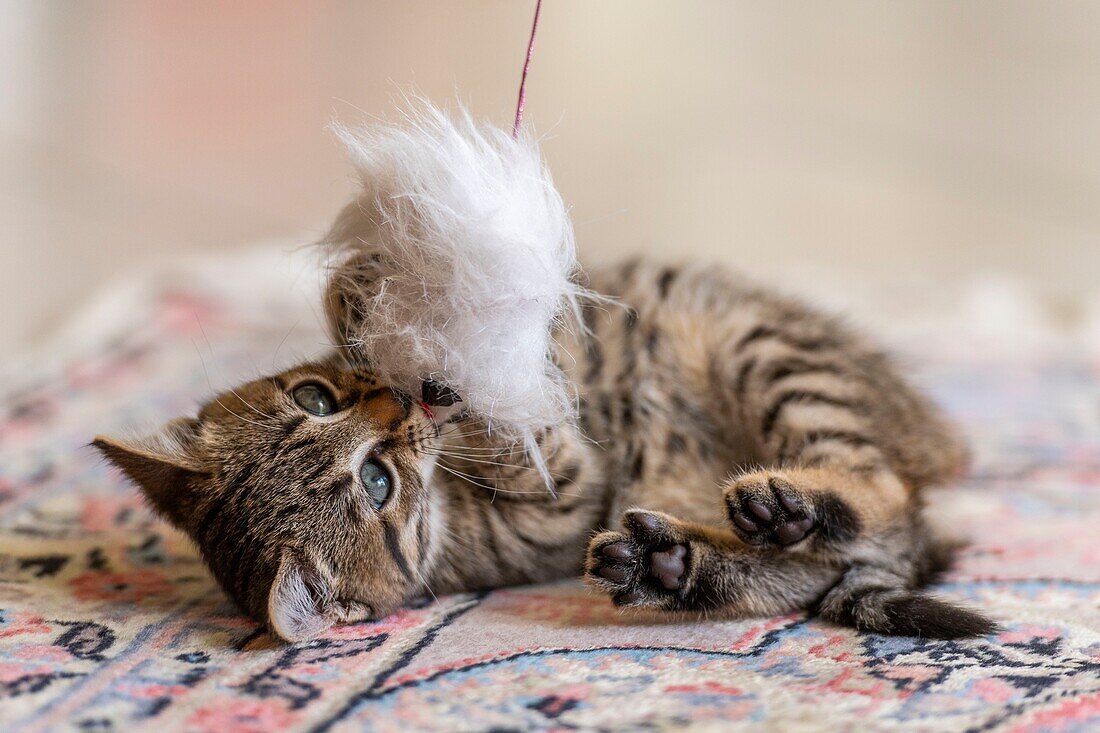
453,265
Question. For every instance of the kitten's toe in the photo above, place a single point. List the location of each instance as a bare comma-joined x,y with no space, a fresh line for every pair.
766,510
612,562
614,573
650,527
619,551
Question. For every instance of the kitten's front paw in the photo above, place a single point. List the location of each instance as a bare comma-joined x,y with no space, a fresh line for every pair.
648,565
767,510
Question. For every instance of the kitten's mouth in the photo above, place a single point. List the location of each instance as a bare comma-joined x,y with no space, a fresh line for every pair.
427,410
439,402
441,415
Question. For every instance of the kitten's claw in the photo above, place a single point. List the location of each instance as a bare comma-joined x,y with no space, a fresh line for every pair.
648,565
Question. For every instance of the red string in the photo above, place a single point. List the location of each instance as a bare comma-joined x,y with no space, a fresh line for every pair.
526,65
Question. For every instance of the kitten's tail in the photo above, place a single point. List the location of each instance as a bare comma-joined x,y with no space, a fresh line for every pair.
902,612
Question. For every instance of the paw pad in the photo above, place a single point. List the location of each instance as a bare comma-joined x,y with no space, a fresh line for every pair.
644,566
667,566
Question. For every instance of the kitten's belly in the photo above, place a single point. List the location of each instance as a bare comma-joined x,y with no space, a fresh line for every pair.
648,398
697,499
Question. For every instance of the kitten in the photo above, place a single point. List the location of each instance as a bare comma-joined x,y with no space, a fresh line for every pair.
734,450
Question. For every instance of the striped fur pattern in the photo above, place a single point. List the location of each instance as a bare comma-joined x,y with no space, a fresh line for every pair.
735,452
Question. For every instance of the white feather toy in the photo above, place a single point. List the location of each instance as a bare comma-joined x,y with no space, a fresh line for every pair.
454,264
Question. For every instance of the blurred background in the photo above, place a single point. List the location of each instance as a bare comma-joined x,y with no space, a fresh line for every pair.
918,152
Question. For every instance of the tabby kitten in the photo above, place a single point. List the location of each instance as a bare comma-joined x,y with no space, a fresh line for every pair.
734,451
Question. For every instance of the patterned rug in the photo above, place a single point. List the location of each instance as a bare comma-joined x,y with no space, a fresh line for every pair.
110,622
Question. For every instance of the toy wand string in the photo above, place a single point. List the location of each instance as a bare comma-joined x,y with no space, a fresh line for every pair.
526,66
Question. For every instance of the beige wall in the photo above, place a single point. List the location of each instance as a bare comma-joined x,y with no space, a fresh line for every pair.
910,144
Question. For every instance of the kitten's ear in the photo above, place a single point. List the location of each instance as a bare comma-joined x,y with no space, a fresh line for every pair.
300,605
162,465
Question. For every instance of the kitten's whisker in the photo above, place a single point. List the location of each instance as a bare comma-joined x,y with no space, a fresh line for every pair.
481,449
424,581
484,463
475,451
471,479
458,451
470,434
252,407
501,447
202,361
210,386
280,346
469,459
272,428
479,435
464,477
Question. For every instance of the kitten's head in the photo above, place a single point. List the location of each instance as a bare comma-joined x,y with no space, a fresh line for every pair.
304,491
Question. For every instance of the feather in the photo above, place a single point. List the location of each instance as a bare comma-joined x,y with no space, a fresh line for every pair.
454,263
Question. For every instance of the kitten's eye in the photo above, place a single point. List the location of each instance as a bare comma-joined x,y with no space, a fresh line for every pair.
376,479
314,399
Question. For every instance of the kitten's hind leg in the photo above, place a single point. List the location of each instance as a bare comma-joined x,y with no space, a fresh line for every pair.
864,521
662,563
880,597
845,445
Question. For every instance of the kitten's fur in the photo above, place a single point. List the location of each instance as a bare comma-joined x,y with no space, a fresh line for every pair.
735,451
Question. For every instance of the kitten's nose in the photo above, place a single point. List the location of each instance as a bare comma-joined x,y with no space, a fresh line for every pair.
437,394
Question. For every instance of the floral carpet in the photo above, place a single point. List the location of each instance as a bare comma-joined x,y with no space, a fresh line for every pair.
109,622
